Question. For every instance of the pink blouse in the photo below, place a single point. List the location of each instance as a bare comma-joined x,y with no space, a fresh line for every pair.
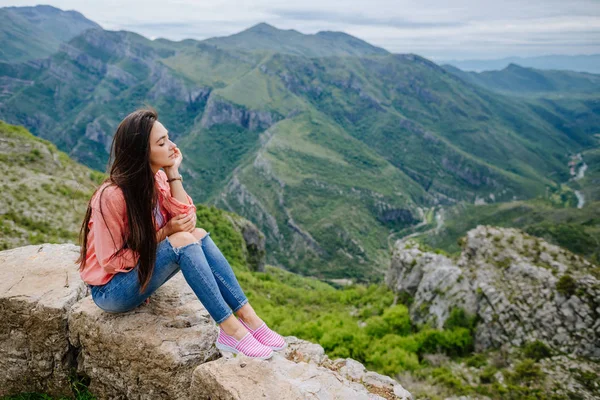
100,268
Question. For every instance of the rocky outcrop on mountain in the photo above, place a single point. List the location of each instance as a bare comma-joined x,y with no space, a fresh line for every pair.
219,111
520,287
168,85
165,349
111,44
236,196
95,132
254,250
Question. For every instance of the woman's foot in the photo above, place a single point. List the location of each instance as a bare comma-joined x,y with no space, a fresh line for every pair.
265,335
247,345
250,322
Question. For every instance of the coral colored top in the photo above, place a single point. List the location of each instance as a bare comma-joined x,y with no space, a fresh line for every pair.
100,267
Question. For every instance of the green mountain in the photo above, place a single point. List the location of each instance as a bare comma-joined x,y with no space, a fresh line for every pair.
266,37
37,180
29,33
518,80
326,155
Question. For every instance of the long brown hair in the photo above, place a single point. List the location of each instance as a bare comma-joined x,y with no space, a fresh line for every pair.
131,172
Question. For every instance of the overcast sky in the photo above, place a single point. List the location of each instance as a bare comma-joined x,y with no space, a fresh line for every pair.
436,29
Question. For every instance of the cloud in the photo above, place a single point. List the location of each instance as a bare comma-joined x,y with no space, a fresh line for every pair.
433,28
357,19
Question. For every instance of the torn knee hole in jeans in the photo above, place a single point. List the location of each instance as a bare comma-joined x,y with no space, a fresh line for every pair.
198,242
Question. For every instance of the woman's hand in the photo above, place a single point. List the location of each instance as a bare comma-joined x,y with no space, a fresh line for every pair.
178,157
181,223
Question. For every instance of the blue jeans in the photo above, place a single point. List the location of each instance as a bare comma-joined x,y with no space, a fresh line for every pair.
204,268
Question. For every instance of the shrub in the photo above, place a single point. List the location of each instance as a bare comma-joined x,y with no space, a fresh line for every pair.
454,342
345,341
460,319
445,377
397,319
394,360
536,350
377,327
487,375
458,342
526,371
566,285
408,343
477,360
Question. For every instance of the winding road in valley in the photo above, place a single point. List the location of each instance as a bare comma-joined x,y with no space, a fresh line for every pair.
580,196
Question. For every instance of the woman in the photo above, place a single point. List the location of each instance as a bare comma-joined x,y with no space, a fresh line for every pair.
139,231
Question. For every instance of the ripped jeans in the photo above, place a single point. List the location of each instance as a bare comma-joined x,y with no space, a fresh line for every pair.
204,268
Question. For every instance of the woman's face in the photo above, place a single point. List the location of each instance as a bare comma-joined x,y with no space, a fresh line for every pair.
161,148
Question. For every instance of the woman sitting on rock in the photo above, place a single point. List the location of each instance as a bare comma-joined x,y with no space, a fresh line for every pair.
140,230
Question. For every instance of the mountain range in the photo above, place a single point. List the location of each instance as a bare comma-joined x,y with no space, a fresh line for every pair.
580,63
525,81
327,143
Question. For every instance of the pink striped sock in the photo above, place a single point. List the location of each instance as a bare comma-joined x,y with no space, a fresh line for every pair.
266,336
247,345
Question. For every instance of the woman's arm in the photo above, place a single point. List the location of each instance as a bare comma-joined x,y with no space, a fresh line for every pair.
176,187
109,225
160,235
176,203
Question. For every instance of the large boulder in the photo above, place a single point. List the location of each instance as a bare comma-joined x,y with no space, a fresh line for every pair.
166,349
39,285
521,287
149,352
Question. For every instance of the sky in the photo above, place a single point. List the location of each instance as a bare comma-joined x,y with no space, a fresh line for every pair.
436,29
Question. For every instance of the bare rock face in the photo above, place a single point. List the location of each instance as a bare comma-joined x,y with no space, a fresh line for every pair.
39,284
219,111
301,371
521,287
149,352
434,280
254,249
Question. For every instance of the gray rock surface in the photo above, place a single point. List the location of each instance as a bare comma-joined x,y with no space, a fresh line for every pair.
219,111
149,352
301,371
39,285
521,287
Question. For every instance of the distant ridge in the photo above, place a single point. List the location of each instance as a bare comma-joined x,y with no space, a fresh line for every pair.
266,37
581,63
516,79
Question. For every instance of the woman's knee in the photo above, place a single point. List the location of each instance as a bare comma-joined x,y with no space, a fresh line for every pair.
199,233
179,239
